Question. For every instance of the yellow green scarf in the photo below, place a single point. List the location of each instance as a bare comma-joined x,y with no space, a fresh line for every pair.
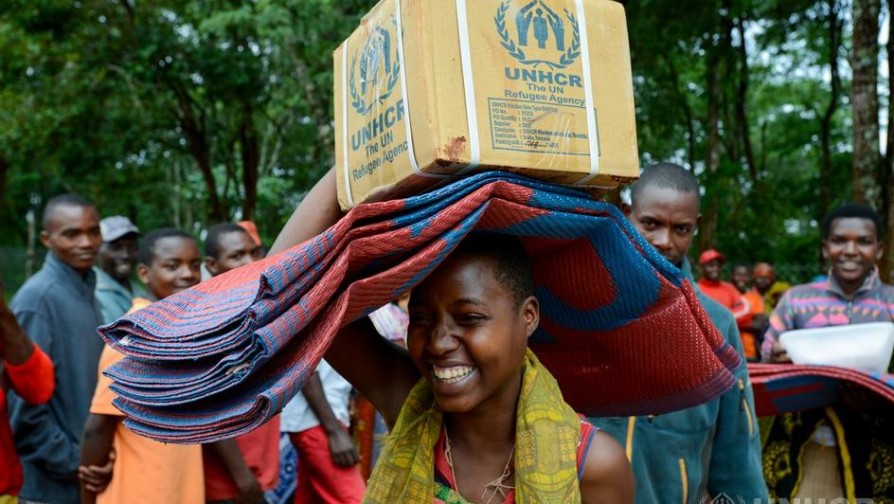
547,434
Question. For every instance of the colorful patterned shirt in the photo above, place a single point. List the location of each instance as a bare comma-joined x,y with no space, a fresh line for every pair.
823,303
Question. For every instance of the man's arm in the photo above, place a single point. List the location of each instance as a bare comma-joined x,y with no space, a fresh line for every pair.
741,308
40,440
34,380
248,488
758,323
15,347
29,369
96,452
736,466
781,320
341,446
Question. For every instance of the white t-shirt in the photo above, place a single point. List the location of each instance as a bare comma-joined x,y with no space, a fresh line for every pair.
297,416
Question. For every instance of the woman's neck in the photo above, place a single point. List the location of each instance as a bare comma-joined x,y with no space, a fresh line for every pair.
491,433
490,427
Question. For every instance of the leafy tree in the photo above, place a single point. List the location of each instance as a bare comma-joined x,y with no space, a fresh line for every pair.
190,112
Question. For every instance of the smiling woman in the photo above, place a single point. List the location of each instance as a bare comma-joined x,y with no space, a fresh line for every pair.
469,325
481,391
472,328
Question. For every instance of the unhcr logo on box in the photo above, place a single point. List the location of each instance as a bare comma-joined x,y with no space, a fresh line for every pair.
540,34
378,73
375,72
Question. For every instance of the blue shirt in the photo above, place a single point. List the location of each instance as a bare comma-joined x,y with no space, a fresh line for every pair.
57,309
707,450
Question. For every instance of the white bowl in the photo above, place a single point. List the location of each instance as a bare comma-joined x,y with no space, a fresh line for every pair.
864,347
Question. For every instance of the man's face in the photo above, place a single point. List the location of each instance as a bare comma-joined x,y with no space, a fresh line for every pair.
711,270
852,248
764,276
72,234
667,218
175,266
235,249
740,278
119,257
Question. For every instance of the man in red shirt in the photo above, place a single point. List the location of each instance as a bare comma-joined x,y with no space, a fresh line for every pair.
28,371
725,293
239,470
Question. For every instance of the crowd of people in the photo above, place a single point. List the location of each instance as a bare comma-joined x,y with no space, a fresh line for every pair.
462,347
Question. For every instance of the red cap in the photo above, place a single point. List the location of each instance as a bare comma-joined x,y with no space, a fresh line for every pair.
251,229
711,255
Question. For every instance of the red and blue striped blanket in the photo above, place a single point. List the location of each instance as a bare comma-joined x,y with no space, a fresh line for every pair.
786,388
621,329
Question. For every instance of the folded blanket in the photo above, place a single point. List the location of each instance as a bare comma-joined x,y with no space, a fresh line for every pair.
786,388
621,329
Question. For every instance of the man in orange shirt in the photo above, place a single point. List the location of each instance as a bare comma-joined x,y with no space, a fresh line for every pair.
751,333
145,471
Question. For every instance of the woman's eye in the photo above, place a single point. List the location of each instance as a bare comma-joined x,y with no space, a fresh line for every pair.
472,318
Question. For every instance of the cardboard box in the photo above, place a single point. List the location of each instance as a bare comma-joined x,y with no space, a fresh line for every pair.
428,89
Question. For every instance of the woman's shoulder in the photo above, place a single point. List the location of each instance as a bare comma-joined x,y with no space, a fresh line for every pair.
606,475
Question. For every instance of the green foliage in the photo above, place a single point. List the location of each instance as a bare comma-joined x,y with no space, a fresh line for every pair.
170,112
765,208
187,112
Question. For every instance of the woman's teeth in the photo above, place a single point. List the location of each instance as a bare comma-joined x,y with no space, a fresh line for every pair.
452,373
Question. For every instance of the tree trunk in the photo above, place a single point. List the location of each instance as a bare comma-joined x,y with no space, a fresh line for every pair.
197,138
717,54
742,102
30,254
887,262
4,176
708,226
251,158
825,189
683,100
864,101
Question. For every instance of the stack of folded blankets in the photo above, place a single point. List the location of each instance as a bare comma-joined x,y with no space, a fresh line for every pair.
621,329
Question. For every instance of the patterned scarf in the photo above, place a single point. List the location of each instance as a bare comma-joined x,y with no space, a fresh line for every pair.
547,432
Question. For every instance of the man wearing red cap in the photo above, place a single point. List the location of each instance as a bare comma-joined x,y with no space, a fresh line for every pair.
725,293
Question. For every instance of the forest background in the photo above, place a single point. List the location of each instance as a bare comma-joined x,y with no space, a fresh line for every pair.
192,112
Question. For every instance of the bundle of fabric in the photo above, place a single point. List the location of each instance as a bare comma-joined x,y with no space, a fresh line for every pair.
786,388
621,329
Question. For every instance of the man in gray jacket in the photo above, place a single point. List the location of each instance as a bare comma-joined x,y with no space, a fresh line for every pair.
115,287
57,309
